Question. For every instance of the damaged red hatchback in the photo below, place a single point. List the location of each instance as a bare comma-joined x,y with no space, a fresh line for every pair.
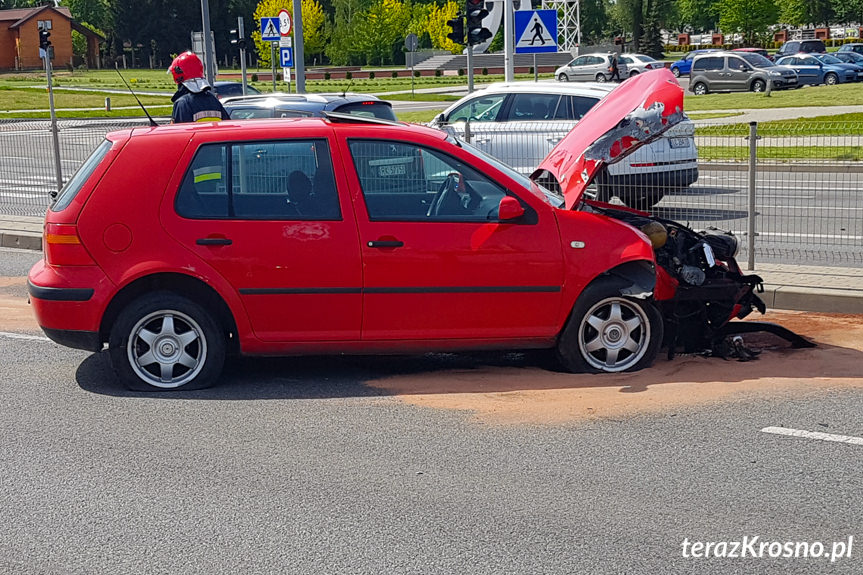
178,245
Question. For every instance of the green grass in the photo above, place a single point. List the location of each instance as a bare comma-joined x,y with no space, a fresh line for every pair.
419,97
809,96
820,153
421,117
838,125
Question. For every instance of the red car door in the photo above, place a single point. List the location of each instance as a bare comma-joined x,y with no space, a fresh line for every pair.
437,263
280,234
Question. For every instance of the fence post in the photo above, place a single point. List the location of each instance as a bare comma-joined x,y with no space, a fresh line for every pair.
467,130
753,160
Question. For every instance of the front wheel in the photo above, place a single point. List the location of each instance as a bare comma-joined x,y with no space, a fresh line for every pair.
563,78
831,79
164,341
699,89
759,86
601,78
633,73
676,72
608,332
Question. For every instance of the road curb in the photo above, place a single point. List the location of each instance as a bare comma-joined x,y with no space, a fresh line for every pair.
821,300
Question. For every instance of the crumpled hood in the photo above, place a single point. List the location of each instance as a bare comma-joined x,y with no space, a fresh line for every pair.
635,113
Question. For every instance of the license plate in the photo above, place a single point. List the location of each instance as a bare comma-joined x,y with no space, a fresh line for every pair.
679,142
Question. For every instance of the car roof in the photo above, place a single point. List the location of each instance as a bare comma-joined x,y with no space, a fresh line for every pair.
315,100
563,88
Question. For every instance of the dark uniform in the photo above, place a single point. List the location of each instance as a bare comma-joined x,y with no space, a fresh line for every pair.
200,106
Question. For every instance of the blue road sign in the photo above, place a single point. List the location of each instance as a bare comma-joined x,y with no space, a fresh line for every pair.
535,31
270,29
286,56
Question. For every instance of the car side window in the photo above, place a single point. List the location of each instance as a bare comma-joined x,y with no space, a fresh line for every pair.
625,60
581,104
274,180
580,61
535,107
738,64
482,109
710,63
402,181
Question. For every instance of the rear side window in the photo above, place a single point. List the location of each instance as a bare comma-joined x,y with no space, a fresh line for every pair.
708,64
74,185
813,46
533,107
369,109
274,180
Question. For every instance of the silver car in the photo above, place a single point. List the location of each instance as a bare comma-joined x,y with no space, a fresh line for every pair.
637,64
520,122
589,68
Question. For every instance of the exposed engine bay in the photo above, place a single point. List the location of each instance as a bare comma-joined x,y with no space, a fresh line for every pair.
700,287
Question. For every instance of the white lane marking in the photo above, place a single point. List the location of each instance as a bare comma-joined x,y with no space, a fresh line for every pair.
814,435
11,335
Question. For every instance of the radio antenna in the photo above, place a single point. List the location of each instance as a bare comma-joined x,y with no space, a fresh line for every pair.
152,122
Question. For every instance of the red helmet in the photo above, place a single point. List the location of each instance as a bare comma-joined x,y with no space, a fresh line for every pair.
186,66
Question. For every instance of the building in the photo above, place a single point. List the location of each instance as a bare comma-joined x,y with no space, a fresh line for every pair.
19,38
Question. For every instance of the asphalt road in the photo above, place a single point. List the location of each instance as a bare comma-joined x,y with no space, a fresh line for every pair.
299,466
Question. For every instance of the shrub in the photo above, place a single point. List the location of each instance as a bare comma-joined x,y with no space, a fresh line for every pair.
348,75
416,73
438,73
530,70
326,75
485,71
371,75
254,77
461,71
394,74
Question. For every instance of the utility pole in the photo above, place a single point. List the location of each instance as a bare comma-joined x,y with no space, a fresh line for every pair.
209,56
299,63
508,48
45,48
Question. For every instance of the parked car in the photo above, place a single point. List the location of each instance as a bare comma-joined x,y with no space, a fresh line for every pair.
810,70
305,105
520,122
179,245
683,66
856,47
225,89
801,47
849,57
589,68
759,51
637,64
738,72
831,60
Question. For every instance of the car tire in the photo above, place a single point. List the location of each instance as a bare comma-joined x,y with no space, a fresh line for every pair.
563,78
676,72
601,78
759,85
699,89
633,73
608,332
191,345
645,200
831,79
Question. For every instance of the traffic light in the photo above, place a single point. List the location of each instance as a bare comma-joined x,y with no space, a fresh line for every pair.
457,25
476,33
240,43
44,42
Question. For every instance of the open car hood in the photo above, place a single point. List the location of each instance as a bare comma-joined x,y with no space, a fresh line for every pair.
635,113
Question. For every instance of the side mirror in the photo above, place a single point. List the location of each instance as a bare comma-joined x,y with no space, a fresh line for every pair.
439,120
509,209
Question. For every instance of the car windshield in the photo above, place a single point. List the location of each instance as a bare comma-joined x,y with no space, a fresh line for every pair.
828,59
368,109
756,60
555,200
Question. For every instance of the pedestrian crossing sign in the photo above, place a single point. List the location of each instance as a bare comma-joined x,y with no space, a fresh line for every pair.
270,30
535,31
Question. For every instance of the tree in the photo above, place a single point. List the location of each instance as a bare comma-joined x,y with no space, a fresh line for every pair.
438,29
93,11
848,10
747,17
315,26
700,15
379,30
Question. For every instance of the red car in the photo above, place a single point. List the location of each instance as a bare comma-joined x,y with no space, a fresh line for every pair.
178,245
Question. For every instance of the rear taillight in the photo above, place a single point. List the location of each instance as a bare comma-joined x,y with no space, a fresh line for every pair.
63,246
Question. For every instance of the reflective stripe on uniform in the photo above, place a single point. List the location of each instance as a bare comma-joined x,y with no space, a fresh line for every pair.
207,116
207,173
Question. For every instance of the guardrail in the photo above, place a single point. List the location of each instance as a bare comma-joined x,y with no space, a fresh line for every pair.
791,192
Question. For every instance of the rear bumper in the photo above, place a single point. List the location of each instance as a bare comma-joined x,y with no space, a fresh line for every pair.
665,180
87,340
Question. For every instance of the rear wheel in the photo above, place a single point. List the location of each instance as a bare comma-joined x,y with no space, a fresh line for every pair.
601,78
563,78
164,341
831,79
699,89
608,332
758,86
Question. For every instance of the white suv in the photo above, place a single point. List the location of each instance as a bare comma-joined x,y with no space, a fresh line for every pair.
520,122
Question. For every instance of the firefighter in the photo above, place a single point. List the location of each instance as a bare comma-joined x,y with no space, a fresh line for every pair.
193,101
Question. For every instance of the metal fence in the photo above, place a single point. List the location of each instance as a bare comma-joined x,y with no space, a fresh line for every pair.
791,193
